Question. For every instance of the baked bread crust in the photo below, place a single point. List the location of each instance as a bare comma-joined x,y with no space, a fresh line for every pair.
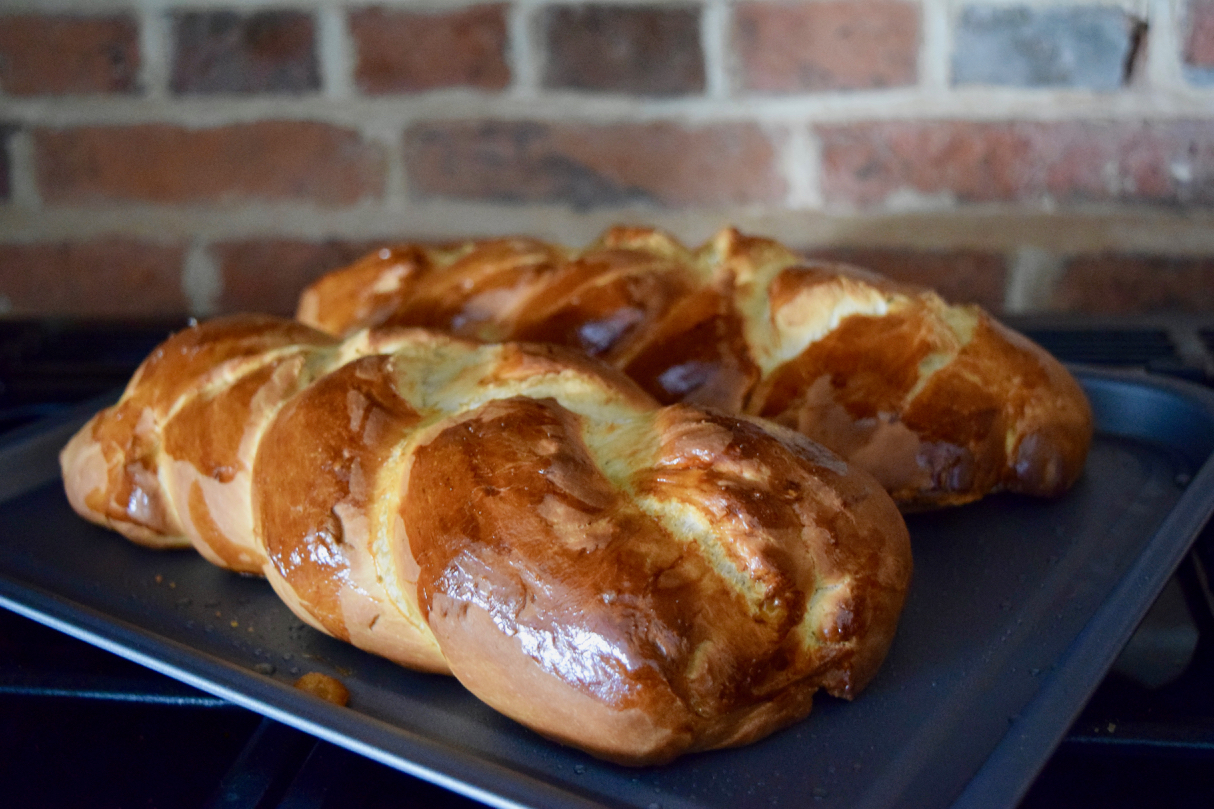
635,580
941,403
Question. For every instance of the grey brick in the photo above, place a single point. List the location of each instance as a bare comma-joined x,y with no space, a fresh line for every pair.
268,51
1199,76
641,50
1081,47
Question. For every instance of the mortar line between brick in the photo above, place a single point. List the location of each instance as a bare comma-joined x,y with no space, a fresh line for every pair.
1131,6
994,106
801,163
201,280
390,136
1163,233
1033,274
1164,66
196,5
46,6
935,49
334,52
1174,235
22,176
525,59
715,24
110,6
155,51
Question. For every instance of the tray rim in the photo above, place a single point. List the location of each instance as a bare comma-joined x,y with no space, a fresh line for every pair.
1088,655
1003,779
261,695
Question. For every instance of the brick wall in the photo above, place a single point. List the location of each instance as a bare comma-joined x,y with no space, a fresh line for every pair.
164,156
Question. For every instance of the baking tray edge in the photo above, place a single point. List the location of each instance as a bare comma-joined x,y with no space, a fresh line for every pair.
1001,779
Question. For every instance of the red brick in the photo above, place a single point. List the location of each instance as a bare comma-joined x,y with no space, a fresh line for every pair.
1199,46
261,52
624,49
405,52
1158,162
270,160
960,276
59,54
1133,284
830,45
104,278
268,275
586,165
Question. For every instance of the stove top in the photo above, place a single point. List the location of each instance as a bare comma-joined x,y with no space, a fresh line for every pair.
87,728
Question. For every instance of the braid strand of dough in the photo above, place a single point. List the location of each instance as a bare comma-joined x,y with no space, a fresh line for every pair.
635,580
941,403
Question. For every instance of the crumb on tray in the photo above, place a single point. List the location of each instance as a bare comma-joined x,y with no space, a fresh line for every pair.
327,688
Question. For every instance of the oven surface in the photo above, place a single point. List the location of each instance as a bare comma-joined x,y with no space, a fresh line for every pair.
1039,599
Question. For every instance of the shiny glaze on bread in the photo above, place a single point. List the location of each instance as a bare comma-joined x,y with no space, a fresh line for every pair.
635,580
941,403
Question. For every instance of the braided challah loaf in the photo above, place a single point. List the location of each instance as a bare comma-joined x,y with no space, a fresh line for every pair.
941,403
634,580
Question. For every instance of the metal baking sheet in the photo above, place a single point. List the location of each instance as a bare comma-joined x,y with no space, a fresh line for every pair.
1017,609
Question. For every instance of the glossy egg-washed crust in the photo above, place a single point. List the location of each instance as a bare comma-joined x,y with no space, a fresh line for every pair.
635,580
941,403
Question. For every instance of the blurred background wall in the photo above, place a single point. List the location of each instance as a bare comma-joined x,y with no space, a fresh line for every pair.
171,157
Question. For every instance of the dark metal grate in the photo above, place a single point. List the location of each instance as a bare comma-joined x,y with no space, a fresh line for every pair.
46,365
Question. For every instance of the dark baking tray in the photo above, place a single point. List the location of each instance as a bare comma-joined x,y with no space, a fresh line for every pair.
1017,609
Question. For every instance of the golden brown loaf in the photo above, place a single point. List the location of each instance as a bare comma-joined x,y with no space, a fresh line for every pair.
635,580
941,403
